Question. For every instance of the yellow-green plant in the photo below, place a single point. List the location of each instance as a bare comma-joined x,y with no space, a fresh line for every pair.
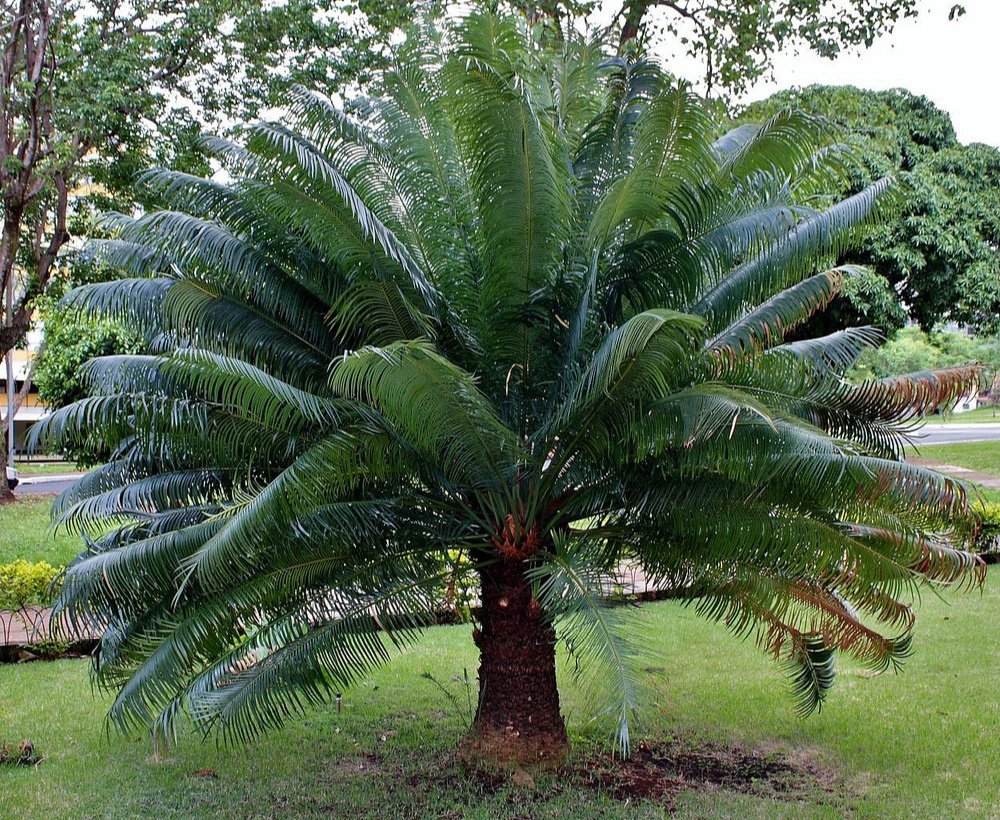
986,532
26,588
24,584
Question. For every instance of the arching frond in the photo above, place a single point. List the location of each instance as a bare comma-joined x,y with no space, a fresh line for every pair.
520,193
434,407
781,265
572,587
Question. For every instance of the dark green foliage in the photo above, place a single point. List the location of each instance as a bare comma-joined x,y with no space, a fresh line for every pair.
70,341
197,62
468,313
938,254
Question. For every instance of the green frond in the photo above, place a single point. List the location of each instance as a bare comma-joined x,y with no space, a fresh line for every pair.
786,261
788,146
717,227
811,668
838,351
137,302
520,193
378,313
314,479
574,590
434,407
638,359
670,152
300,161
768,323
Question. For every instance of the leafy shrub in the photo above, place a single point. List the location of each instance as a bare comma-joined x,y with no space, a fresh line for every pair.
71,339
459,593
48,648
912,350
24,584
986,538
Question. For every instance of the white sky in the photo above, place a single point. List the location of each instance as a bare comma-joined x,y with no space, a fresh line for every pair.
954,63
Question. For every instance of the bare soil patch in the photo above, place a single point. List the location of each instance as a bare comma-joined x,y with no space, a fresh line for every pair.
660,772
656,772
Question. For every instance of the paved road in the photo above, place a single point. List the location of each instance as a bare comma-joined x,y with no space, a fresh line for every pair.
955,432
45,485
951,433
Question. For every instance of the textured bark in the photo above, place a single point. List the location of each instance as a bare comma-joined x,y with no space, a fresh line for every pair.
6,496
518,721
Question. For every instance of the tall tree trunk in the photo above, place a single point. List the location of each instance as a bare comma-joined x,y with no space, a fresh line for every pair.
6,495
518,721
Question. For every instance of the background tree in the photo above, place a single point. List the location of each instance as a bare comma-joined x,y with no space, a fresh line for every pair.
939,252
736,40
512,304
914,349
71,340
92,92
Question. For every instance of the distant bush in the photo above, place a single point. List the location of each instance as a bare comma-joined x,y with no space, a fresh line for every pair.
24,584
25,588
912,350
986,538
73,338
460,590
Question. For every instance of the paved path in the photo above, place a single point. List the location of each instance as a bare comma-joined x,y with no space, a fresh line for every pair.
963,473
34,624
20,628
955,431
45,484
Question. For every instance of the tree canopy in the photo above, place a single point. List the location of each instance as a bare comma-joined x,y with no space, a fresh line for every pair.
92,92
736,40
939,253
521,301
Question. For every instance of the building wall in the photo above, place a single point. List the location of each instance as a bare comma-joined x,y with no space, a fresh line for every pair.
31,408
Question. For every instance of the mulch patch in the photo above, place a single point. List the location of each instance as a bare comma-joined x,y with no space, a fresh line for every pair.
15,653
656,772
660,772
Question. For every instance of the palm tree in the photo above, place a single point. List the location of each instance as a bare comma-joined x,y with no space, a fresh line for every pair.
518,304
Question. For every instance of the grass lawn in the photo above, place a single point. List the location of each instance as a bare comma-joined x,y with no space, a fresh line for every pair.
922,743
980,414
32,469
25,533
982,456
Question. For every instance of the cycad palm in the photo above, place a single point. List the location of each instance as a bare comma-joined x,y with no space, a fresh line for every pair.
519,304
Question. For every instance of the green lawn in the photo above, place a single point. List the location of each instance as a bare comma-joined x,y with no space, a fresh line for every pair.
982,456
922,743
980,414
31,469
25,533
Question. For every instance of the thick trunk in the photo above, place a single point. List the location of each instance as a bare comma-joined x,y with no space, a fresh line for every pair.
518,720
